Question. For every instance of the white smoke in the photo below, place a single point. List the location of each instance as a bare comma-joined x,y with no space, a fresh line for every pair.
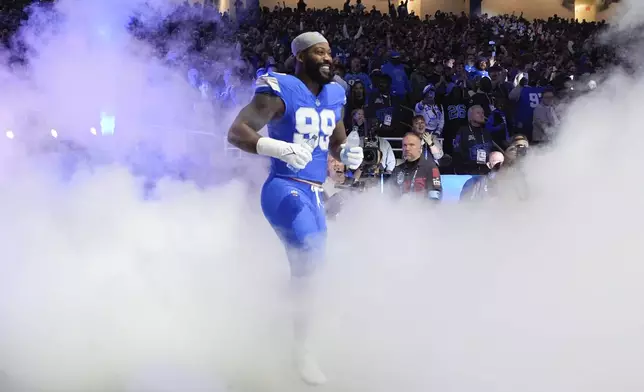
98,287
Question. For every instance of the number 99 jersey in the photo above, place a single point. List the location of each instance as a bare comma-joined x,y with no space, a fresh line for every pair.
305,115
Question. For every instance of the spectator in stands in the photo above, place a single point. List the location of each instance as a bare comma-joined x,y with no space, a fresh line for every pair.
431,145
402,9
416,175
301,6
460,76
455,109
483,97
437,76
479,69
356,74
545,118
381,103
392,9
473,143
431,112
357,98
357,122
497,124
360,7
335,176
500,87
400,86
377,60
527,98
418,81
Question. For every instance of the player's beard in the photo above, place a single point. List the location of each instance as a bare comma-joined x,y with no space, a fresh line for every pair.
313,70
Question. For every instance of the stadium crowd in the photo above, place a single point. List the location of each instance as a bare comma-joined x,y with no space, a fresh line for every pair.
403,72
465,86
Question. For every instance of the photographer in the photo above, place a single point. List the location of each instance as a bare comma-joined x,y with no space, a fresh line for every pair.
482,187
416,175
518,149
514,156
378,155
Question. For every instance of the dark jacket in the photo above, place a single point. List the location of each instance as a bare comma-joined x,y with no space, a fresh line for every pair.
420,176
472,146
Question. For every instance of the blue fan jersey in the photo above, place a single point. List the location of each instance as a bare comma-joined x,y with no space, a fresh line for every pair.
530,98
305,115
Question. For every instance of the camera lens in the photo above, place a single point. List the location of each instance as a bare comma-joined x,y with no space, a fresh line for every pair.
369,156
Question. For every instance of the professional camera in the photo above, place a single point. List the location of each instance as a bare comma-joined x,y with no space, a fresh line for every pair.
371,149
521,145
517,150
352,185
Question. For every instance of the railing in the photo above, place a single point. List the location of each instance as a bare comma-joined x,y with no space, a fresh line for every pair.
404,115
452,184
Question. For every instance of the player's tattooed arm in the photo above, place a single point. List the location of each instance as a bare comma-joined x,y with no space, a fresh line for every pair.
338,138
243,133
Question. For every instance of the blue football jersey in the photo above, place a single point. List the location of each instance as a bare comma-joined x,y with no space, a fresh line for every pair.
530,98
305,115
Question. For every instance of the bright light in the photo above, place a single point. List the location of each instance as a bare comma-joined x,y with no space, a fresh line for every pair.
92,130
54,133
10,134
108,123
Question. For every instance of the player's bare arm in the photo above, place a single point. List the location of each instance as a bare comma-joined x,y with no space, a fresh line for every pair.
243,133
338,138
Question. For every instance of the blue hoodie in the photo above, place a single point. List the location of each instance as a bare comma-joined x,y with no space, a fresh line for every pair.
351,78
400,85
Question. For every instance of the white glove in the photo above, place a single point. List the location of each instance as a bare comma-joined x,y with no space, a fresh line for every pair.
351,157
297,156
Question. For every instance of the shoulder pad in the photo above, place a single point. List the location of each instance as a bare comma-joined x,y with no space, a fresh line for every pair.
337,92
268,83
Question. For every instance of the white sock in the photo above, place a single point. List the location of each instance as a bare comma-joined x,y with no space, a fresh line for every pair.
305,362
